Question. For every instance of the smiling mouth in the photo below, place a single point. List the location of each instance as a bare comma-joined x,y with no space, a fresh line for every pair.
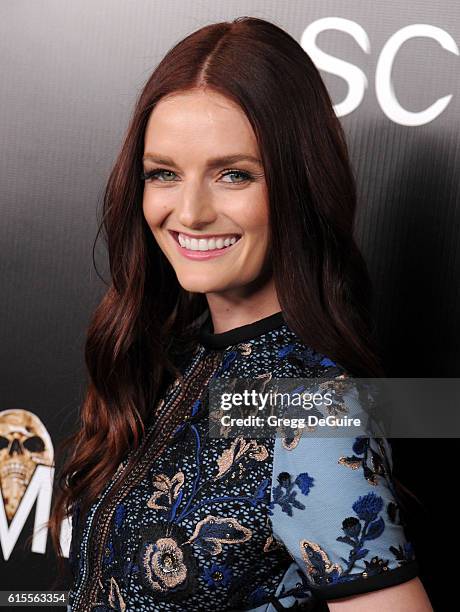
213,244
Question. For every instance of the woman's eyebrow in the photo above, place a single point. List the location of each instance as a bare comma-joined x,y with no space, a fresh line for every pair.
226,160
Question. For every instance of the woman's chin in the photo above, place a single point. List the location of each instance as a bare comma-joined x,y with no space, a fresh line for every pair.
201,285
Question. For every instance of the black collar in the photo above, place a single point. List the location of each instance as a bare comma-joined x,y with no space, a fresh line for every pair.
238,334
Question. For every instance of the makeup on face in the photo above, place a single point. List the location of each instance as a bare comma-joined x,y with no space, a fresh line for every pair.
205,196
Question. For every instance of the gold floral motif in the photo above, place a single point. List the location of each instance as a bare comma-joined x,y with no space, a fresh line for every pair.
115,599
227,531
164,564
308,550
165,487
245,348
354,464
272,544
372,463
294,441
239,449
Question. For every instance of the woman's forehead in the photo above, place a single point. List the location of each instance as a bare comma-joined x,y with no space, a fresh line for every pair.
201,119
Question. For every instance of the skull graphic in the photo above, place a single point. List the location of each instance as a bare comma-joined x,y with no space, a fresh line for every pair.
24,442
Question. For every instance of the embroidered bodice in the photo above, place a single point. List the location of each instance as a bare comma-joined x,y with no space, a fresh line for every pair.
243,524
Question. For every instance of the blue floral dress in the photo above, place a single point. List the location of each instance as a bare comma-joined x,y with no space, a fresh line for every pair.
242,524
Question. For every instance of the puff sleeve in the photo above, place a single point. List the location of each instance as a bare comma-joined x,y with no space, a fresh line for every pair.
334,508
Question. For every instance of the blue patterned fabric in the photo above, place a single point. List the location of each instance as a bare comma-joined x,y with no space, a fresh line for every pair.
246,524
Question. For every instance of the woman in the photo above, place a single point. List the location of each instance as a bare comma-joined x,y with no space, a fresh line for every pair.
229,220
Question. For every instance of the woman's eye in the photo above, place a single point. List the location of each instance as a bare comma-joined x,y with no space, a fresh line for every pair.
153,174
243,175
167,176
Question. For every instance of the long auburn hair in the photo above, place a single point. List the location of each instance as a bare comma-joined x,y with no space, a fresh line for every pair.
321,279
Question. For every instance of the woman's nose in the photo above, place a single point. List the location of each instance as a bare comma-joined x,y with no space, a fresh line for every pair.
195,206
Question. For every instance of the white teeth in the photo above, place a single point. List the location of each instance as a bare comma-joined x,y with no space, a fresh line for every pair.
205,244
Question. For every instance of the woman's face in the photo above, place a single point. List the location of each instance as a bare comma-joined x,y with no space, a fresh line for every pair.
193,200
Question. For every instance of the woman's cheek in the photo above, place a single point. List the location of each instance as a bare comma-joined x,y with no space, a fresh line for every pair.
154,212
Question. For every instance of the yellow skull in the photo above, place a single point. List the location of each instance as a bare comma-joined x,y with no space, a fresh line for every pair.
24,442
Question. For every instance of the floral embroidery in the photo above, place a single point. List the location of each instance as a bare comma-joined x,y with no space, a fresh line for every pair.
217,575
115,599
287,498
290,440
403,553
257,597
165,487
212,532
240,455
166,559
271,544
300,590
245,348
197,409
200,527
304,482
319,567
306,356
167,564
320,570
363,447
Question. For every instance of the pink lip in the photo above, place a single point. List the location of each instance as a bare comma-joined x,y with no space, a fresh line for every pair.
200,254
